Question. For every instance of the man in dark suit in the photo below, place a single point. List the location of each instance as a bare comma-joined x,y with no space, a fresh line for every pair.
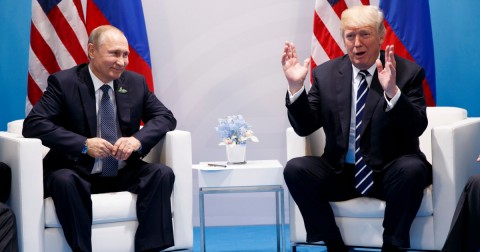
8,226
69,119
465,226
384,138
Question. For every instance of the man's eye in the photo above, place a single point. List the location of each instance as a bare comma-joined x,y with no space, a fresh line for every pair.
365,35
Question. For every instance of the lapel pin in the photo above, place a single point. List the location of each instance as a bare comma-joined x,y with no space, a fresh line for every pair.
121,90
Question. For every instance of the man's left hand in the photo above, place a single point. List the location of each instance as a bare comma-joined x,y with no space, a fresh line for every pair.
124,147
387,75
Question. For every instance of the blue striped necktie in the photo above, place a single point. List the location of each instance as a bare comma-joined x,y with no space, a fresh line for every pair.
108,131
363,174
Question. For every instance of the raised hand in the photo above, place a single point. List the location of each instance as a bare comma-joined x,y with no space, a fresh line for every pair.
293,70
387,76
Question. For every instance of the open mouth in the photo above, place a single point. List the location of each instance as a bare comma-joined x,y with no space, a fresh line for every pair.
359,54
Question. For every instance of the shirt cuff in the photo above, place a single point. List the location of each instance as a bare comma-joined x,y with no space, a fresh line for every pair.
391,103
294,97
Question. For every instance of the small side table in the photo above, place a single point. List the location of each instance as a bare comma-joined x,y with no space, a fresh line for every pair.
254,176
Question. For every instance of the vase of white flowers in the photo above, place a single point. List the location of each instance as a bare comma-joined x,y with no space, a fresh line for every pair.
235,132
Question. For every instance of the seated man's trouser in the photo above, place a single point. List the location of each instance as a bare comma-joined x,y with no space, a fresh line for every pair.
8,229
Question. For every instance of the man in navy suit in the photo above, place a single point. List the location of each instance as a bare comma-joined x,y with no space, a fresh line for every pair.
465,226
8,226
67,119
393,118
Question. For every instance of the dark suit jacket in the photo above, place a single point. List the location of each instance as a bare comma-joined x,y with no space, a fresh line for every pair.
385,135
66,116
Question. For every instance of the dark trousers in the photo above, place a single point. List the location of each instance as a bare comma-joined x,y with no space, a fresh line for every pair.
153,184
8,229
313,184
465,227
8,226
5,182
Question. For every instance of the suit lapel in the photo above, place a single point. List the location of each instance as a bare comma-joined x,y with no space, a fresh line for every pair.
122,98
87,95
344,95
375,95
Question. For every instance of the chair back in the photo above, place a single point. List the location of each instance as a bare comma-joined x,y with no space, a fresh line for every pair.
438,116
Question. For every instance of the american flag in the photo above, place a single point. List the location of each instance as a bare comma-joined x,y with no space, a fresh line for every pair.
59,37
58,40
410,33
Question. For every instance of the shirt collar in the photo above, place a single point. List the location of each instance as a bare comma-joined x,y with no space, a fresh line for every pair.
371,69
97,83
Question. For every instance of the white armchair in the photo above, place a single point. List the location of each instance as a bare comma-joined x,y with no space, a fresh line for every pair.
114,214
451,143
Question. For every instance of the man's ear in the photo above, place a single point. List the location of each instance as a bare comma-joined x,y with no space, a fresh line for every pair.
90,50
382,39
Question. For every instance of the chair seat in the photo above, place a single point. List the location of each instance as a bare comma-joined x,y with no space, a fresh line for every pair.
106,208
374,208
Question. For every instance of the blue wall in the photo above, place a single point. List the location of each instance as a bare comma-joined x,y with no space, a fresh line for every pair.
456,32
14,44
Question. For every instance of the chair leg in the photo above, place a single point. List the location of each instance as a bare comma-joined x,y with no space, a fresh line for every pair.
294,248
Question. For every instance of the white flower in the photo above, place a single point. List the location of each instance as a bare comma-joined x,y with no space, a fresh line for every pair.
234,130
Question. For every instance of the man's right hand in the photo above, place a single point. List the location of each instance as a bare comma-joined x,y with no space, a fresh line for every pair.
99,147
294,72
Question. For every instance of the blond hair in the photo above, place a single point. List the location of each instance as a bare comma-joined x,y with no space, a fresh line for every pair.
361,16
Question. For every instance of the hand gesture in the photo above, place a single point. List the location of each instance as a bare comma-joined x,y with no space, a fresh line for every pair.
99,147
387,76
123,148
294,72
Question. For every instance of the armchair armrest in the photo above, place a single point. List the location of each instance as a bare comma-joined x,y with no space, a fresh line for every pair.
175,151
24,156
295,144
298,146
455,148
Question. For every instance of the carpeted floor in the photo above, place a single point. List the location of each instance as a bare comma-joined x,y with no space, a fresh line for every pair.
245,239
261,238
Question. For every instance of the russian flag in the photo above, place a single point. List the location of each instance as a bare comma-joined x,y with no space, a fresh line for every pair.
410,30
126,15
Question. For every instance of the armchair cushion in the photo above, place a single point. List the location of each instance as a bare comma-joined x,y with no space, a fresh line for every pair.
106,208
364,207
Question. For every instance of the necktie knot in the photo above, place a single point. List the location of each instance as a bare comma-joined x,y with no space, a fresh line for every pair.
363,73
105,89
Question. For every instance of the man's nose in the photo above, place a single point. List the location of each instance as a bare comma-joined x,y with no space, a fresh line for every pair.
357,41
121,61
